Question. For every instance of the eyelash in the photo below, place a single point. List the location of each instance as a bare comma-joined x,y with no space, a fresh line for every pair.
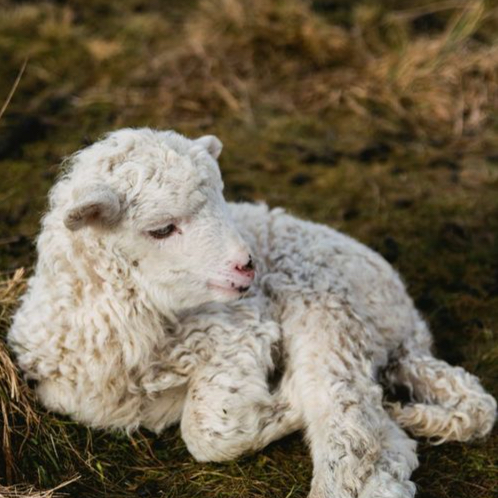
164,232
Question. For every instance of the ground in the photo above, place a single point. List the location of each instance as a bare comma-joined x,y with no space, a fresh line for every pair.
376,117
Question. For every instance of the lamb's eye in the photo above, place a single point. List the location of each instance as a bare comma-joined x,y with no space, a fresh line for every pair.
162,233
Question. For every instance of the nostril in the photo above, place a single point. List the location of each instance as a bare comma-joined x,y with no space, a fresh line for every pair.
247,268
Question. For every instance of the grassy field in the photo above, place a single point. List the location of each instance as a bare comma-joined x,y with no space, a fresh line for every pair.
379,118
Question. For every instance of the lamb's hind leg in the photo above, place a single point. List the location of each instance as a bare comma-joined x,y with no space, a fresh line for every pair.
356,449
229,411
450,403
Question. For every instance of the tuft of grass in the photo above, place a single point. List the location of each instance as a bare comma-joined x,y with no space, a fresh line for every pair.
31,492
441,89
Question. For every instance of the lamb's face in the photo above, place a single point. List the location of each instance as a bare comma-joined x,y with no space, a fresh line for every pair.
158,201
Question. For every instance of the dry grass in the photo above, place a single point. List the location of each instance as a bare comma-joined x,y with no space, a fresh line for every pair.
377,117
19,414
237,55
16,400
31,492
440,88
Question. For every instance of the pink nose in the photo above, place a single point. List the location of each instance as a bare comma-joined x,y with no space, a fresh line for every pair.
247,269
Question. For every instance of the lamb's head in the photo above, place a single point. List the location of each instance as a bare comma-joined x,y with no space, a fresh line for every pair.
155,199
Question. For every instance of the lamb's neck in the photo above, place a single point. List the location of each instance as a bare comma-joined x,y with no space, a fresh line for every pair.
161,300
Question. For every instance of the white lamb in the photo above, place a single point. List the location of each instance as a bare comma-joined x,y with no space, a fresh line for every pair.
131,318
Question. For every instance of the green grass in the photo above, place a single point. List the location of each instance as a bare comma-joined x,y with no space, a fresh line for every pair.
378,118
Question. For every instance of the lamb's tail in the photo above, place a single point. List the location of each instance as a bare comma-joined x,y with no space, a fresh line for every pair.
449,403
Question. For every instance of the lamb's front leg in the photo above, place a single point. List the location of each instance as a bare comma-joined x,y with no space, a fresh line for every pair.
398,459
355,448
229,411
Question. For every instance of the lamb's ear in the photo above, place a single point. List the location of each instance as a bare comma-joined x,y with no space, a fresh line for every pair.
96,203
212,144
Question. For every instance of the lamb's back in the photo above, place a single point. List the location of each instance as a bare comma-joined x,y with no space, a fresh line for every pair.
301,257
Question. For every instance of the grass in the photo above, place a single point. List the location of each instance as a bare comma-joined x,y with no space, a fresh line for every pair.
379,118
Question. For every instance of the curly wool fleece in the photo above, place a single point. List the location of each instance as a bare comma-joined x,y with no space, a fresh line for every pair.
131,318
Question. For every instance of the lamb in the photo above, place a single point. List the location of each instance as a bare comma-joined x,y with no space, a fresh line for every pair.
155,302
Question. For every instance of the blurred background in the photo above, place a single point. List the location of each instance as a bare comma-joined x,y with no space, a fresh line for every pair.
377,117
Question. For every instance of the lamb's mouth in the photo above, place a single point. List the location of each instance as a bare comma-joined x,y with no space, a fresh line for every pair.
231,288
